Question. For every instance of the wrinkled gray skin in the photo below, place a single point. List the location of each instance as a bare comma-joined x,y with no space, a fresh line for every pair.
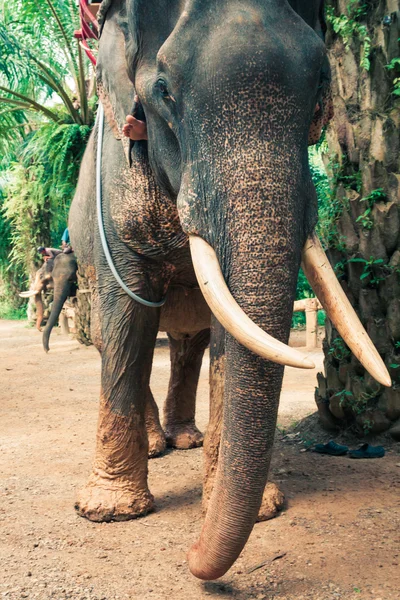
229,91
63,276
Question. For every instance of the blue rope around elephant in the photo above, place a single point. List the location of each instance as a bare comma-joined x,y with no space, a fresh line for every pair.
104,243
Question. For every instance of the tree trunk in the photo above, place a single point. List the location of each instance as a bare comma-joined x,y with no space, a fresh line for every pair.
82,306
364,164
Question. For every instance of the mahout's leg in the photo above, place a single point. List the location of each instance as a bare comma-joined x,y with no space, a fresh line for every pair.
155,433
273,498
117,488
180,405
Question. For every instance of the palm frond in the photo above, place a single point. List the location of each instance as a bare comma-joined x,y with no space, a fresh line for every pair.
25,102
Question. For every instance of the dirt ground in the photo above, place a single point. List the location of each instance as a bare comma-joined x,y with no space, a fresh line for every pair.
338,536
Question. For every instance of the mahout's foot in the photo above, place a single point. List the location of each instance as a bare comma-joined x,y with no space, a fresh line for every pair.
183,436
134,129
112,500
272,502
157,444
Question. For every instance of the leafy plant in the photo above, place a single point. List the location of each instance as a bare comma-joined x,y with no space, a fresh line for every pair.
377,195
340,268
348,27
30,77
358,406
369,269
365,219
339,350
45,120
344,396
9,311
367,425
395,65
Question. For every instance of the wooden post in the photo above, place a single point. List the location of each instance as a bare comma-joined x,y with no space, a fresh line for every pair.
311,311
310,306
64,323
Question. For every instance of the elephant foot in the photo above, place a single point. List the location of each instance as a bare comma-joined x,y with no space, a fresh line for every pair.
112,500
272,502
157,444
183,436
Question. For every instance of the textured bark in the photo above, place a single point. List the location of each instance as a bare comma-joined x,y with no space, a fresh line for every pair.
82,307
364,141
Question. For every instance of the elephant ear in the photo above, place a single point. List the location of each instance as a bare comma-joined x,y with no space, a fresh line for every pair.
115,89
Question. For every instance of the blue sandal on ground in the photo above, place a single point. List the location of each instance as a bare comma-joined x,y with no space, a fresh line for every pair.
331,448
367,451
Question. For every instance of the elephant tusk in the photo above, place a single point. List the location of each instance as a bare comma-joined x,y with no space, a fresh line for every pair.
29,294
330,293
231,316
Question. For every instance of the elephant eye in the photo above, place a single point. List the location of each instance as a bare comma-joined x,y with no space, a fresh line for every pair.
162,88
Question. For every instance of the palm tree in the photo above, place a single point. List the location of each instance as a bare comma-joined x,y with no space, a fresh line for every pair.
363,218
39,59
45,121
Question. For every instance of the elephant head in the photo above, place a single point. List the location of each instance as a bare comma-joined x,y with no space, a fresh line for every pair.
64,283
43,281
230,90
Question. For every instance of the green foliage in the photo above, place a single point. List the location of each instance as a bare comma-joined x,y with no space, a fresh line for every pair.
339,350
365,219
395,65
344,173
31,72
349,27
328,209
340,268
359,406
11,279
370,270
377,195
345,397
331,203
40,188
11,312
325,210
45,122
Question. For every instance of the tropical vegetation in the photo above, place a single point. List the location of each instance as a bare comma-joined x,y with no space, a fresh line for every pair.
46,115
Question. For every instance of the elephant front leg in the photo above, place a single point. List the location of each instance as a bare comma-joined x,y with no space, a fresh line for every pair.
117,488
273,498
180,406
155,433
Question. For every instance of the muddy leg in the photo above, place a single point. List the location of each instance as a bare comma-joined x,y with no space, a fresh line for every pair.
180,405
273,498
155,433
117,488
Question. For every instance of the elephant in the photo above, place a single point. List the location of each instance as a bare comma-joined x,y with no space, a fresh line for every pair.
64,285
59,274
43,282
200,231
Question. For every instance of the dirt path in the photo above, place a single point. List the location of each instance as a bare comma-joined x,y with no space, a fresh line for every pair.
338,537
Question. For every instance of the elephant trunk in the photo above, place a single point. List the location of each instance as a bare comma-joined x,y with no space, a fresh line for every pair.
61,293
252,389
39,310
